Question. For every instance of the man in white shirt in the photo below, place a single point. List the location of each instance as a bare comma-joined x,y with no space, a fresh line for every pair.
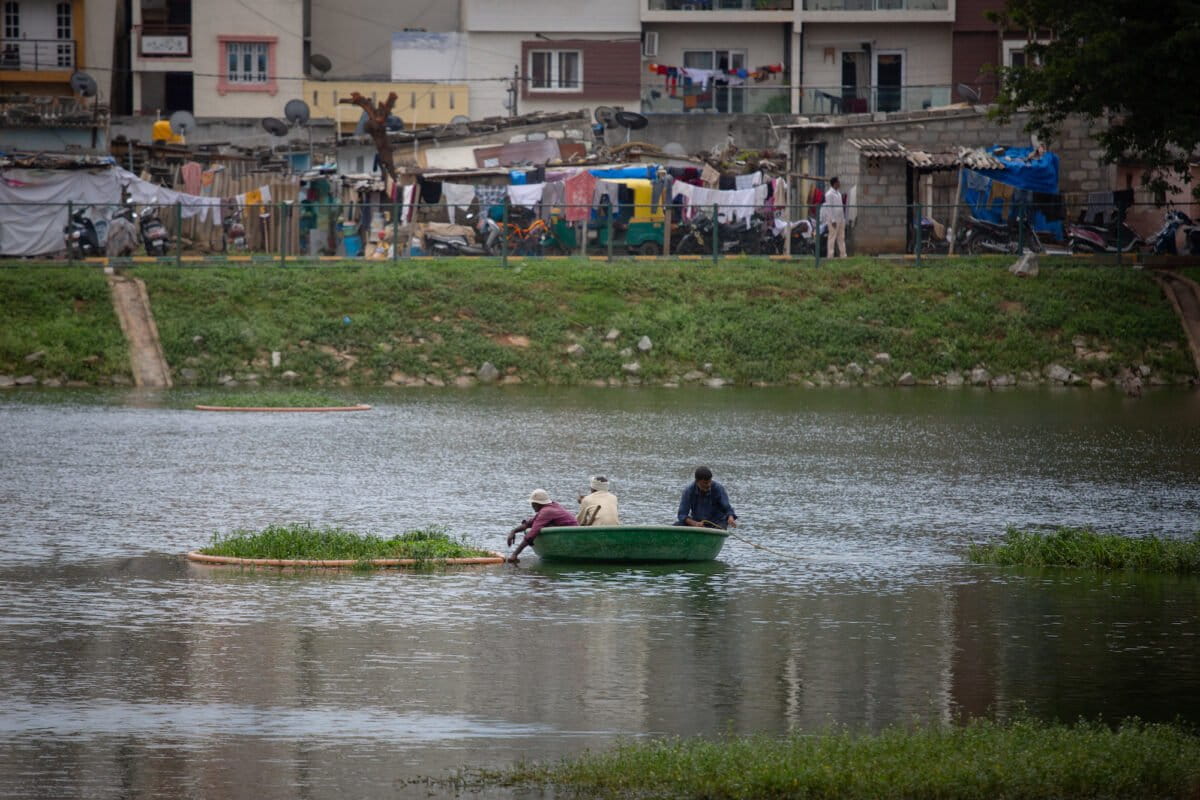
834,215
599,507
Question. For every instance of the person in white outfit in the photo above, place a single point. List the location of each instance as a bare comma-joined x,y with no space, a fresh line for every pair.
833,213
599,507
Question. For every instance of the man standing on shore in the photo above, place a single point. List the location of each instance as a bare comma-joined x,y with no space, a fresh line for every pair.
834,214
705,504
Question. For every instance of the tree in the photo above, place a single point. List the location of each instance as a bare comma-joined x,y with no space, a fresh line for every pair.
1130,65
376,127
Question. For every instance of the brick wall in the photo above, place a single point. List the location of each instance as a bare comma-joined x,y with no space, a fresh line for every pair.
611,70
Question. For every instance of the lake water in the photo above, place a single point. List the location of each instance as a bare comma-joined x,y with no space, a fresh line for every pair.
127,671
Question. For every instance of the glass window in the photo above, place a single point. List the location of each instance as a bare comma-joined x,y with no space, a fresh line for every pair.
12,20
556,70
248,62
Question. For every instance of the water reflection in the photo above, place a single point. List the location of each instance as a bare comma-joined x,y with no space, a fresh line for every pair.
129,671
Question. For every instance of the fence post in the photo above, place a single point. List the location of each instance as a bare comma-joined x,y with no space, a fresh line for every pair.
817,241
666,248
70,220
917,223
1021,231
504,232
395,233
178,233
716,235
283,233
583,233
787,232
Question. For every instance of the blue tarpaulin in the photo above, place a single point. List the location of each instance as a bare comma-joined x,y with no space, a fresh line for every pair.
996,195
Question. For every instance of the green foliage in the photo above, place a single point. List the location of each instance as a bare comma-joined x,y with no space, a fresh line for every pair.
1084,548
66,313
297,398
305,542
980,760
1113,61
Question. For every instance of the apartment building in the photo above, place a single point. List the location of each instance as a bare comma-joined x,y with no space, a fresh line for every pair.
45,41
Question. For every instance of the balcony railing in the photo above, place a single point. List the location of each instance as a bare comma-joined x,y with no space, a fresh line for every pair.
35,55
876,5
660,98
722,5
860,100
172,41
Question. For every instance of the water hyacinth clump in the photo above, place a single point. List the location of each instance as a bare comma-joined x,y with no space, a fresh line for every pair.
1085,548
981,760
272,399
301,541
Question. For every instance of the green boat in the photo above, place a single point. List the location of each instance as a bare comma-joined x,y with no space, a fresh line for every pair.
629,543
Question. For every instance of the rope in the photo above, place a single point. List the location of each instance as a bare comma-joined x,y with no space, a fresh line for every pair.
780,553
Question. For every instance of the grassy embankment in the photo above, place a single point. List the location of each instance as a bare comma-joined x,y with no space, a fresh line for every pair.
304,542
754,321
980,760
1082,548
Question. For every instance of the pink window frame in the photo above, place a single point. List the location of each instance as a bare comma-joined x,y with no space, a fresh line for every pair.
271,87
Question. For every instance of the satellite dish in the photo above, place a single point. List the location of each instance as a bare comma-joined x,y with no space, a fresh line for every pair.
182,122
632,120
967,93
296,112
605,115
394,123
274,126
320,63
83,84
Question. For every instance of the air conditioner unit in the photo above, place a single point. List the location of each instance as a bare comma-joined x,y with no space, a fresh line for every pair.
650,44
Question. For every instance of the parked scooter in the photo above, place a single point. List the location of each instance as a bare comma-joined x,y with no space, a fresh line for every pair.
122,239
82,239
1178,235
1111,238
154,233
981,237
440,244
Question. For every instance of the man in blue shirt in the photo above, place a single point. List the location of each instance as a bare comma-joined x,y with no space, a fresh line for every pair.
705,504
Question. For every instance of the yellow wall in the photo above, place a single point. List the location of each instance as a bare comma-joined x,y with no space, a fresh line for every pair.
418,104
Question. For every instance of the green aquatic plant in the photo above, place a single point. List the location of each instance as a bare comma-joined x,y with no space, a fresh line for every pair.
271,399
1085,548
301,541
981,759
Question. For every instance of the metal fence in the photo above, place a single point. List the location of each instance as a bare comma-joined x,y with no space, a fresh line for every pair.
292,233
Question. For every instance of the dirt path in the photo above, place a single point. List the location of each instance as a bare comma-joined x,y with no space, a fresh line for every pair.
1185,296
132,304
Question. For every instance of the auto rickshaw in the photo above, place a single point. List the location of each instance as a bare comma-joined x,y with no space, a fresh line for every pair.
635,226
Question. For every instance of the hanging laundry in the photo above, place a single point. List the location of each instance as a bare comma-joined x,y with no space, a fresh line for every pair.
458,197
431,191
490,197
190,173
748,181
709,176
527,196
577,195
700,76
553,197
727,182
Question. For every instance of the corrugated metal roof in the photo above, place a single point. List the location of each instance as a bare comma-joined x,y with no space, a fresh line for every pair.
879,148
978,159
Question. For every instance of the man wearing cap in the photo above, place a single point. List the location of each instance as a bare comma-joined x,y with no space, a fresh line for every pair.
546,514
599,507
705,504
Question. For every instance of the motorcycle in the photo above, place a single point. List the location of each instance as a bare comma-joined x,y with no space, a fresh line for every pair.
440,244
81,236
234,229
154,233
981,237
697,240
122,239
1111,238
1178,236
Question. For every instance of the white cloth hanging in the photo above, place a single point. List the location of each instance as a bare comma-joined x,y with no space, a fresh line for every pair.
528,195
458,197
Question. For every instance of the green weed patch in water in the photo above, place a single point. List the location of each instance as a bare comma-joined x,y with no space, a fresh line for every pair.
1084,548
1023,759
306,543
293,399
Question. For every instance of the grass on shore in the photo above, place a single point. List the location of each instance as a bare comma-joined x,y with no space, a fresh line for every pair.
1084,548
305,542
753,320
980,760
65,313
298,398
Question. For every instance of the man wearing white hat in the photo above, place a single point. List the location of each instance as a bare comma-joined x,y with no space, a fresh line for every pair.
546,514
599,507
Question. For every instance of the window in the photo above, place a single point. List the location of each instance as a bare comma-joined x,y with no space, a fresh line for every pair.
12,20
1015,54
246,62
556,70
65,51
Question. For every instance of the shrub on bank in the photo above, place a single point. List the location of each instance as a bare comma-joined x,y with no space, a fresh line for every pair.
978,761
1081,547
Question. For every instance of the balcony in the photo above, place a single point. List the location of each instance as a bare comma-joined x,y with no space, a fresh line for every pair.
721,5
37,55
165,41
876,5
862,100
659,98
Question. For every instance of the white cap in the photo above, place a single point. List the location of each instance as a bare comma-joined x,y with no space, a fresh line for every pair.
599,483
539,496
